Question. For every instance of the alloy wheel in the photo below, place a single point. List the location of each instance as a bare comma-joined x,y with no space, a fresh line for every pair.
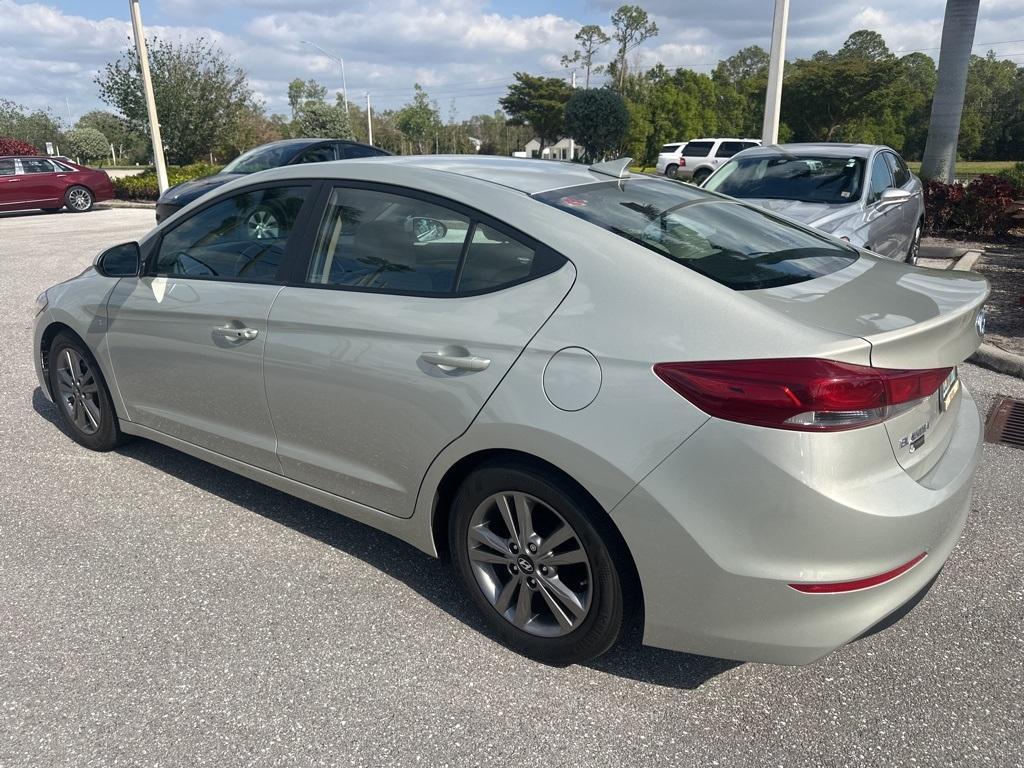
263,225
530,564
79,199
79,391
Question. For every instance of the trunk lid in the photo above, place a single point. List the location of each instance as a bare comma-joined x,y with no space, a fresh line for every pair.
913,319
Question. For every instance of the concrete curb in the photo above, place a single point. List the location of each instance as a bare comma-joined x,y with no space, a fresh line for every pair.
126,204
966,262
996,359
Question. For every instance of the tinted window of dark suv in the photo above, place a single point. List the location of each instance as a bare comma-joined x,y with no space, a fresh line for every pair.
698,149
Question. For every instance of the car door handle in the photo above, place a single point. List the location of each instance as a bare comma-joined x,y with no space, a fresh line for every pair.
235,334
455,362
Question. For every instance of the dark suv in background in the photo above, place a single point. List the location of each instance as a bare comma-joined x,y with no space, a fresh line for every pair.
272,155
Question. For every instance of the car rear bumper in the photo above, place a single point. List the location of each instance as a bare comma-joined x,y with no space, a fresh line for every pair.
716,559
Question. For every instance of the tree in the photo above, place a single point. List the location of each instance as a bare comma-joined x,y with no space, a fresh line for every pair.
322,121
419,121
591,38
198,89
866,44
540,103
939,161
251,127
741,81
34,127
632,27
598,119
301,91
128,143
87,144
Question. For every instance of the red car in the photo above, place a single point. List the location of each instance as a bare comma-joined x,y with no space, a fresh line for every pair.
50,184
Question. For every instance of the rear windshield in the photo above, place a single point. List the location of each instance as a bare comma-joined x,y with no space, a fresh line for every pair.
698,149
830,180
728,242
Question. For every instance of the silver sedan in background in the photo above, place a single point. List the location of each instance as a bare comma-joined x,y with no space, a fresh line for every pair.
605,395
863,193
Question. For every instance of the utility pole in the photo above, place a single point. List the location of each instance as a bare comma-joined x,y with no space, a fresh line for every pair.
369,119
147,87
773,96
572,141
339,60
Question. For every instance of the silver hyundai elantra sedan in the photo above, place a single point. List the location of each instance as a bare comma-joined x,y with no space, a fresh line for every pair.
608,397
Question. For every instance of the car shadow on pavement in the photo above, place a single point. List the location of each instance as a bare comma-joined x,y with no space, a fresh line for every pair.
434,579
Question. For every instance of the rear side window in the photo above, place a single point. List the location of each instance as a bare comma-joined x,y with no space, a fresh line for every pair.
242,237
750,144
669,148
320,154
729,148
729,243
352,151
698,149
6,167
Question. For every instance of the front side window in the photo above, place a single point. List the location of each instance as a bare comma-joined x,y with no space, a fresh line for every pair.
881,179
259,159
732,244
320,154
899,172
36,165
808,178
242,237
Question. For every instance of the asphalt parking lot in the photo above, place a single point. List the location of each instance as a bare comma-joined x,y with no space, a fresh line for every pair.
158,611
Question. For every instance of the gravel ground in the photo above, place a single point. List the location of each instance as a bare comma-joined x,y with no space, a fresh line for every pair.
157,611
1003,265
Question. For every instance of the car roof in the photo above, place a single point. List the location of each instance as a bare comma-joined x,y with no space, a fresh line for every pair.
822,149
529,176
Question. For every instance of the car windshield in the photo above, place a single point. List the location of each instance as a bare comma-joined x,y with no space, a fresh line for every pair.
259,159
808,178
728,242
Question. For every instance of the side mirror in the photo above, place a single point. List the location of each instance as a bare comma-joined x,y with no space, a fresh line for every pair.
124,260
427,230
893,197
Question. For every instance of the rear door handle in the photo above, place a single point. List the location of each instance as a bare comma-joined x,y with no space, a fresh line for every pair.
455,362
235,334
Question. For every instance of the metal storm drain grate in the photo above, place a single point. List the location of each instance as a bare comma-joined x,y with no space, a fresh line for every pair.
1005,423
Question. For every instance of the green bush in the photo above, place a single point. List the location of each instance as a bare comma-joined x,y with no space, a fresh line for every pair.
145,187
1015,176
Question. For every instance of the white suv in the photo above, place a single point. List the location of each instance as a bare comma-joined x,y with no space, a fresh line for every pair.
698,158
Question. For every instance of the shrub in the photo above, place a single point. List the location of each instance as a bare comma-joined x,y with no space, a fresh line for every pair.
145,187
983,207
88,144
16,147
1015,176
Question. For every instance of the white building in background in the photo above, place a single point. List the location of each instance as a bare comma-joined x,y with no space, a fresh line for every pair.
564,149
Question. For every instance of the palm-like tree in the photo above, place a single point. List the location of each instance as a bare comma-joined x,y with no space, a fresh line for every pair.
939,160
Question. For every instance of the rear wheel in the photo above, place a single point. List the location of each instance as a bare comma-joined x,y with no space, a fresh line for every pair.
81,395
670,170
78,199
915,246
536,558
701,175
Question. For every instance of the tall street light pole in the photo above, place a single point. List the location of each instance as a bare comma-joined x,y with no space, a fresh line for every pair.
147,87
773,96
369,120
339,60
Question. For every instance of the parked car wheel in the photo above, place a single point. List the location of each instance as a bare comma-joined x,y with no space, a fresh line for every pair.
700,176
81,395
263,224
915,246
670,170
534,554
78,199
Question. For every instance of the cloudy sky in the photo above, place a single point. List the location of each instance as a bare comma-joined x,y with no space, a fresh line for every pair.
464,50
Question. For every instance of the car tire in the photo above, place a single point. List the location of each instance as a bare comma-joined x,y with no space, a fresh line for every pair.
700,176
561,605
81,395
915,246
78,199
670,170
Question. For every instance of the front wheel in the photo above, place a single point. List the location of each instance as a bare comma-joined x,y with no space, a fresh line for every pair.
536,558
915,247
81,395
78,199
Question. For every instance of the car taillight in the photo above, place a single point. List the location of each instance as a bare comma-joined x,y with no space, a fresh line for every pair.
806,394
682,162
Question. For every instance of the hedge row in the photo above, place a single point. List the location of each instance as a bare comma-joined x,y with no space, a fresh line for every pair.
986,206
144,186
